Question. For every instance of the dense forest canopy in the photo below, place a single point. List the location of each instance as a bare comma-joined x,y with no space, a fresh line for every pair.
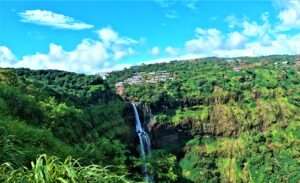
214,120
241,116
61,114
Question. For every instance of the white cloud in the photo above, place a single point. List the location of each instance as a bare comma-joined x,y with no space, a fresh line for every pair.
109,36
251,28
155,51
283,44
171,51
290,15
235,40
89,56
49,18
6,57
249,39
116,43
205,41
246,39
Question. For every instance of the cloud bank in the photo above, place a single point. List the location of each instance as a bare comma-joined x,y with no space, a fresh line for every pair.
89,56
246,38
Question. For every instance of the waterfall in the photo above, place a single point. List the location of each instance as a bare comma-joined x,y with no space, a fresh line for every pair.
145,144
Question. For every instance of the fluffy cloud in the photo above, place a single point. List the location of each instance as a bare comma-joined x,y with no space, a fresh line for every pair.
249,38
118,45
251,28
171,51
155,51
49,18
290,15
208,40
235,40
109,36
205,41
89,56
7,58
281,44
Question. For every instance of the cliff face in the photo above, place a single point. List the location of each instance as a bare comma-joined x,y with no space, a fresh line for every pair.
173,137
165,136
170,138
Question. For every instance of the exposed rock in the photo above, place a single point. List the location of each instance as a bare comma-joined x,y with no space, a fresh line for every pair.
169,137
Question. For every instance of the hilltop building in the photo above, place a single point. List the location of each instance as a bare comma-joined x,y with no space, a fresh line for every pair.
143,78
151,77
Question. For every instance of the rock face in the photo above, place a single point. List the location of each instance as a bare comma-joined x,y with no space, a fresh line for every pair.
168,137
165,135
128,116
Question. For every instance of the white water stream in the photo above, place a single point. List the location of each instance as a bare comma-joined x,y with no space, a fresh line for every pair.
145,144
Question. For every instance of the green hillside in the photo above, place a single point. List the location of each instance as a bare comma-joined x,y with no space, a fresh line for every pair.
61,114
210,120
240,116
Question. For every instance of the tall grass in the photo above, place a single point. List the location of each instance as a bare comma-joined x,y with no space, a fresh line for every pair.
51,170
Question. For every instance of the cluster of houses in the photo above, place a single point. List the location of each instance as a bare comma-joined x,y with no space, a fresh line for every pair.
150,77
143,78
242,65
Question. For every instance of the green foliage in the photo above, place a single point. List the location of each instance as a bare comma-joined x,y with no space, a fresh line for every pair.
163,167
61,114
242,116
105,152
52,170
66,86
22,143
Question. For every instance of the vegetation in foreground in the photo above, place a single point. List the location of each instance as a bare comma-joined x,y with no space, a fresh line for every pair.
52,170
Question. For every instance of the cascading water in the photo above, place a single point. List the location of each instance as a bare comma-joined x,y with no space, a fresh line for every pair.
145,144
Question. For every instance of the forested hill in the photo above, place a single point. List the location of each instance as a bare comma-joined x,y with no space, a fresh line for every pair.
61,114
226,120
210,120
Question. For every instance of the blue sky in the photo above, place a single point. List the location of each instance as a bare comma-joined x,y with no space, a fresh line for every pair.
99,36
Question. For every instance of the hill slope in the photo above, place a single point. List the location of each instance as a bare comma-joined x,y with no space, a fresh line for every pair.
226,120
61,114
